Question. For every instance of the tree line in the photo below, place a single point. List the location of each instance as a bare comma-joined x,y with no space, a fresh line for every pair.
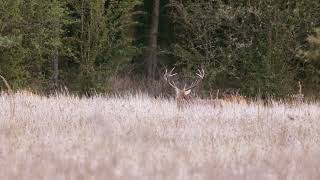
254,47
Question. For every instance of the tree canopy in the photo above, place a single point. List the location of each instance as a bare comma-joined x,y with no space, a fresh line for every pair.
255,47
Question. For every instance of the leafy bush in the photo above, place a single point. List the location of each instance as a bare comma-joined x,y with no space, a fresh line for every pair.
243,46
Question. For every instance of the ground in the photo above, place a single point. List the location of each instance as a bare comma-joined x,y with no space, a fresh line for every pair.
138,137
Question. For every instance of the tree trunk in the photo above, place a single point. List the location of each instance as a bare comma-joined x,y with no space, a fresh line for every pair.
55,54
151,54
55,63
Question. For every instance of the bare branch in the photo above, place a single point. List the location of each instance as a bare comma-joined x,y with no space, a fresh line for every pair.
6,83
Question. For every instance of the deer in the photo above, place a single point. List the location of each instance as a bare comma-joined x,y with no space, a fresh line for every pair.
299,98
234,98
183,95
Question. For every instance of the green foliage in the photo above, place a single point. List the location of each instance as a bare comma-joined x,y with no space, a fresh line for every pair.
7,42
117,39
91,38
252,46
243,46
103,31
311,59
314,52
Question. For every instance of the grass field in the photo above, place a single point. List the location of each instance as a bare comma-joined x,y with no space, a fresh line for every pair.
137,137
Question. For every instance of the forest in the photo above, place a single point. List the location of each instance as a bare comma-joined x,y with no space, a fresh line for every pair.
254,47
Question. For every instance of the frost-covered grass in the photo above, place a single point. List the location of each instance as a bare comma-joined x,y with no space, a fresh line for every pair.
137,137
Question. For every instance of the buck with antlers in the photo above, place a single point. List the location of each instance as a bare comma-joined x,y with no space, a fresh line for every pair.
183,94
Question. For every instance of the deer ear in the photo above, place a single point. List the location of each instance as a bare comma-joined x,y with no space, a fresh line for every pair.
187,92
177,91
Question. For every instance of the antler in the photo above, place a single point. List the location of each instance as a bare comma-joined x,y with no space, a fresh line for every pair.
167,77
200,74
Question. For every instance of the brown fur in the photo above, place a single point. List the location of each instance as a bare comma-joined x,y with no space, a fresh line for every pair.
183,97
235,99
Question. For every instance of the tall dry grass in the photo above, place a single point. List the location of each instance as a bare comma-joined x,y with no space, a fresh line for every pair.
137,137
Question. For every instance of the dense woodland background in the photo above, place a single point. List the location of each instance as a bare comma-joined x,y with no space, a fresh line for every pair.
256,47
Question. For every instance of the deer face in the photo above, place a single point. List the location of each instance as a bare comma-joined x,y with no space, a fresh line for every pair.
182,93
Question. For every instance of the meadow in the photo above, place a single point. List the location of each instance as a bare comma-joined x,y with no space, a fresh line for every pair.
139,137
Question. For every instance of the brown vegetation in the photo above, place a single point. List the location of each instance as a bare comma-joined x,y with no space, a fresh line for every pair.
138,137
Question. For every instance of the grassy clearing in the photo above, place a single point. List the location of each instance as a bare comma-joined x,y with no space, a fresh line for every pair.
137,137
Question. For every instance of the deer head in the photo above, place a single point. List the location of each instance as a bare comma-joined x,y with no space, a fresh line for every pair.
183,94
